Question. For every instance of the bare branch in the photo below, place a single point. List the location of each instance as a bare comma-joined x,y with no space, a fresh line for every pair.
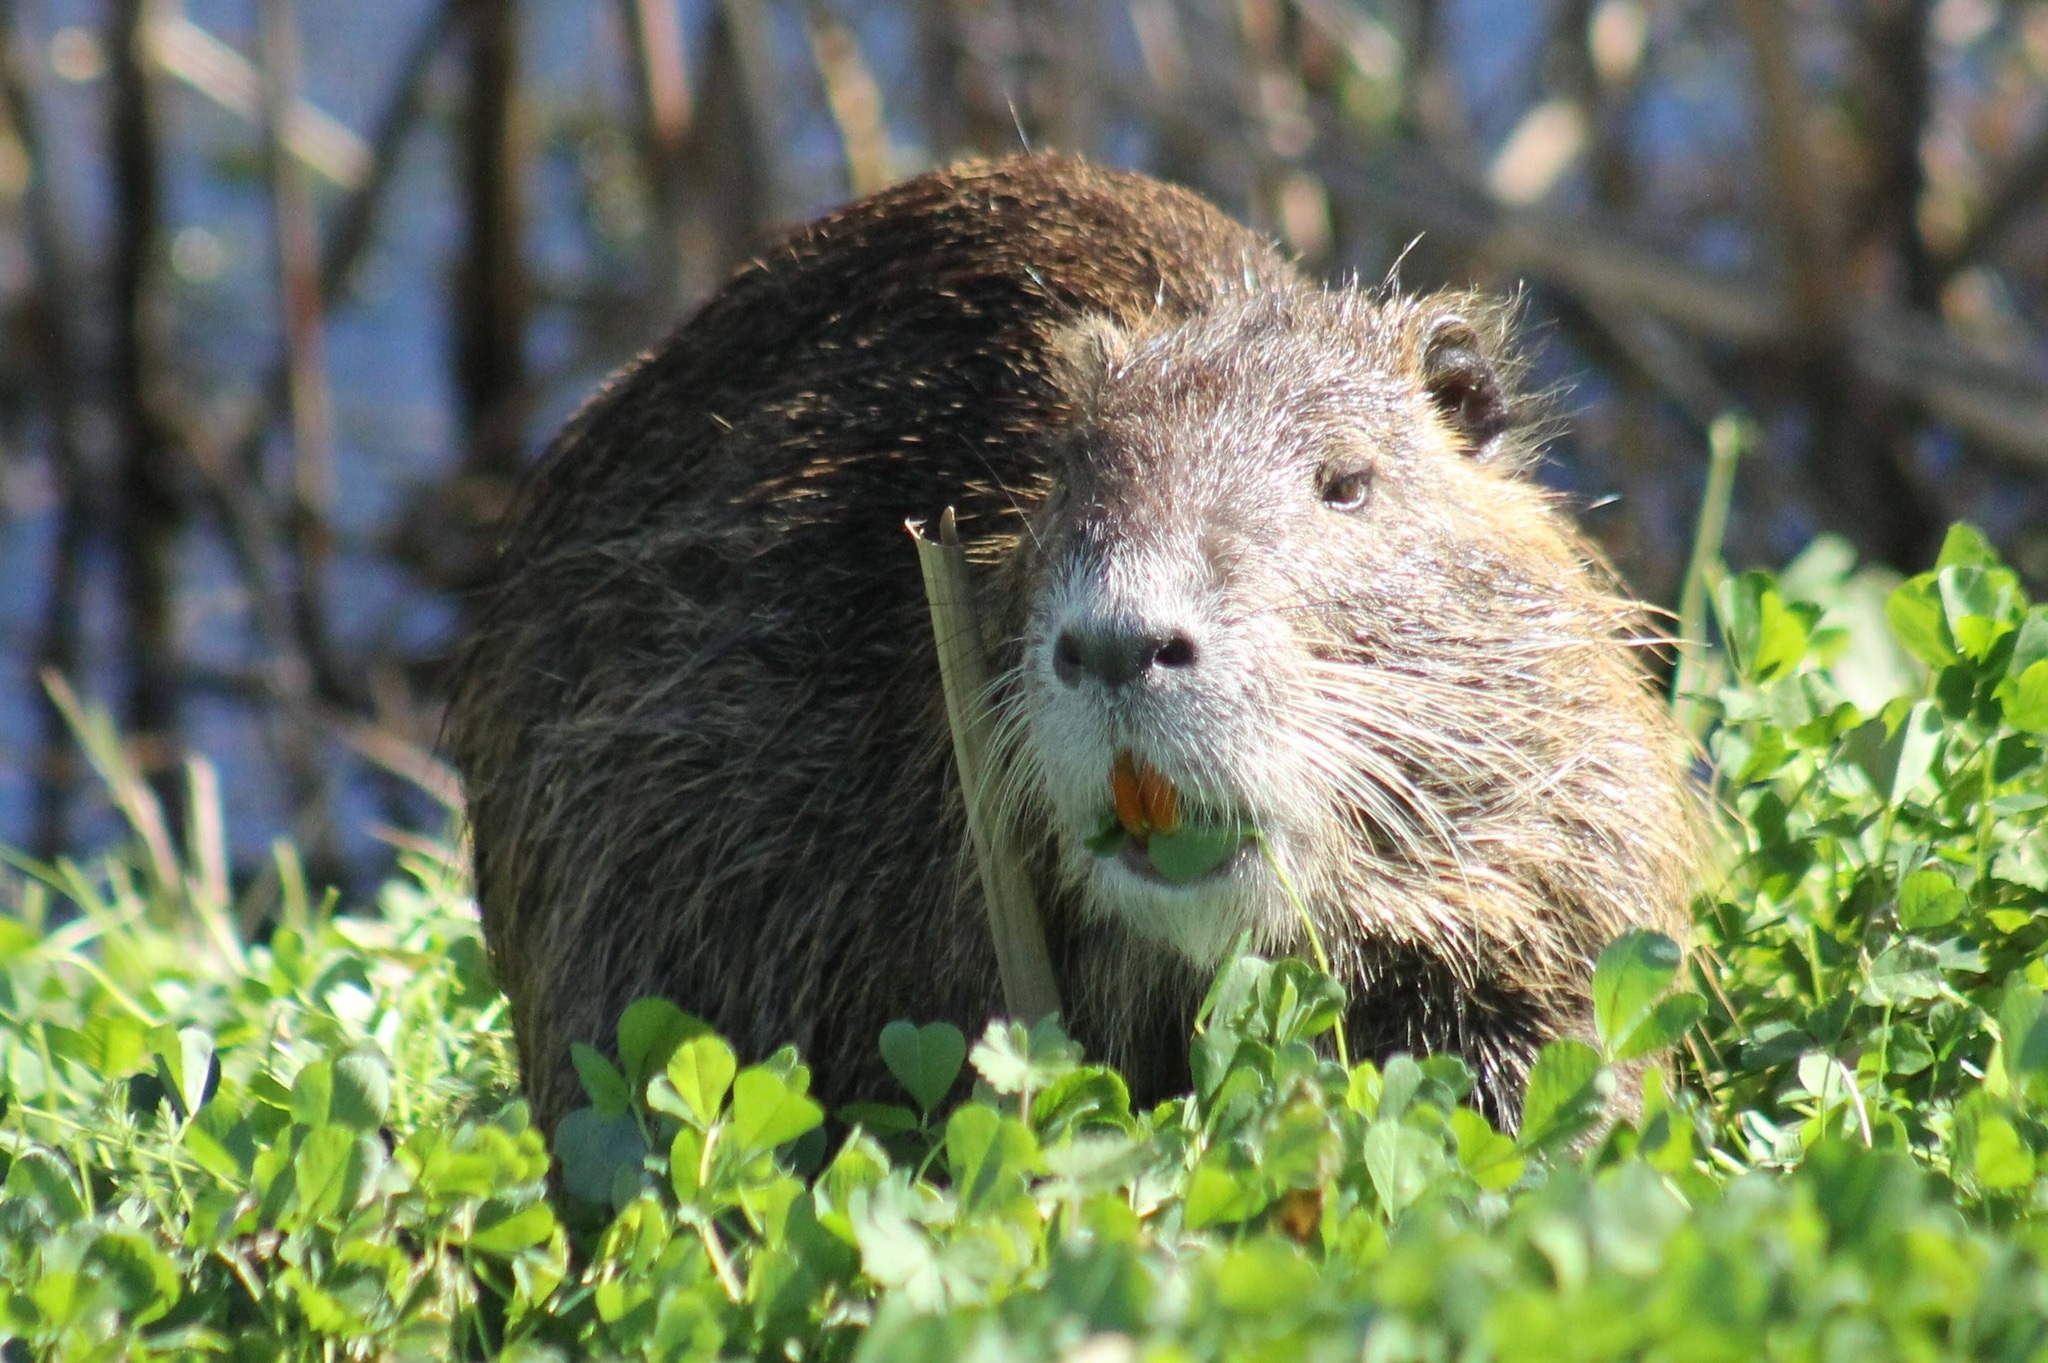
287,675
182,49
350,232
311,492
661,87
853,97
353,221
305,346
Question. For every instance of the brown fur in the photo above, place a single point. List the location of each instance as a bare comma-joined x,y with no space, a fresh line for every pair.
700,722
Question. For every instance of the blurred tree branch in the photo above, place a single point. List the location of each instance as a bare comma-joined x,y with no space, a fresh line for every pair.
148,513
309,500
853,96
491,297
185,51
661,90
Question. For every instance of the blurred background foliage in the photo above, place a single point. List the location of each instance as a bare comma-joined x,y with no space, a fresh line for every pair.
290,292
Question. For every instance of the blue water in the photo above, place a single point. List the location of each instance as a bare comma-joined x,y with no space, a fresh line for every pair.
388,344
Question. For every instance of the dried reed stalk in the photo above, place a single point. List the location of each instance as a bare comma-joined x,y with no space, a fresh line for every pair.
1030,989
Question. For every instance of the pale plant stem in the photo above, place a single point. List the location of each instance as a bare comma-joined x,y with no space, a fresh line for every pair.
1727,438
1315,940
720,1261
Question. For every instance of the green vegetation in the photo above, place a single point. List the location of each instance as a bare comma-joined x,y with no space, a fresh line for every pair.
312,1147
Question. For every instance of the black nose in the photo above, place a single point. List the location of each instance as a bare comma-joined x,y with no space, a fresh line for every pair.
1117,654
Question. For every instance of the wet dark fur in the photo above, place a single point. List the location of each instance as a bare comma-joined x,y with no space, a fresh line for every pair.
700,721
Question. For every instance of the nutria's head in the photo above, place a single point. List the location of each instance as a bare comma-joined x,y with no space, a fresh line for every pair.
1292,577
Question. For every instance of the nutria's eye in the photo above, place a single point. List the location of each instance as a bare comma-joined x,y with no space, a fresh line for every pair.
1462,382
1348,490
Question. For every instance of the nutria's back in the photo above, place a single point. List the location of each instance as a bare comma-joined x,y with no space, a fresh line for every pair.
700,721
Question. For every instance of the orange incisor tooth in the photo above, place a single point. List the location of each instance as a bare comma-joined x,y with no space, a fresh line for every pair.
1161,800
1124,789
1146,801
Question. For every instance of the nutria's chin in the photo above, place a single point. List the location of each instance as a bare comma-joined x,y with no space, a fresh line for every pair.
1273,542
1198,918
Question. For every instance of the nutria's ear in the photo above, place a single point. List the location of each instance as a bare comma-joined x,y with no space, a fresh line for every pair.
1464,382
1081,353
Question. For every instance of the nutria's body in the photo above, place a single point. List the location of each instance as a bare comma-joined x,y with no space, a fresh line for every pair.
1275,541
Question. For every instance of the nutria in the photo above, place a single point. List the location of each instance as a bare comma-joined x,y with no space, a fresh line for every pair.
1273,541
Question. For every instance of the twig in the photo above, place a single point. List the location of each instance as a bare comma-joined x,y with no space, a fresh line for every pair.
729,162
1364,39
853,97
661,87
298,289
350,230
1432,106
1604,95
57,650
1056,87
312,477
344,248
288,678
1294,200
1030,989
1858,456
747,51
1161,49
656,33
964,111
1650,349
183,50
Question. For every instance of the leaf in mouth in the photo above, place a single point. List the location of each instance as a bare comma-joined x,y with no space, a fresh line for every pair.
1191,851
1147,811
1109,840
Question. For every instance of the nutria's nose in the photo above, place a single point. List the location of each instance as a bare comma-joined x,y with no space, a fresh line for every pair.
1115,654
